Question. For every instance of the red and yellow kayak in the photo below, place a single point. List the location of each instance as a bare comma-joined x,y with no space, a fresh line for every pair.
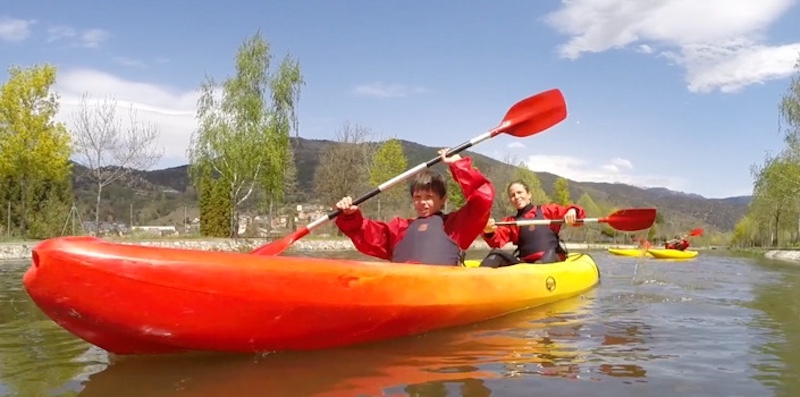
664,253
634,252
133,299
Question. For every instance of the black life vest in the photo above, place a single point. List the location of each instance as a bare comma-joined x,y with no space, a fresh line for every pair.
537,241
425,241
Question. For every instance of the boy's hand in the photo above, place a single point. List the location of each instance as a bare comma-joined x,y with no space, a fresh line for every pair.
448,160
569,218
346,205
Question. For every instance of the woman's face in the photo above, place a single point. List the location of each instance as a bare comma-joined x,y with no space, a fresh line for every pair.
518,196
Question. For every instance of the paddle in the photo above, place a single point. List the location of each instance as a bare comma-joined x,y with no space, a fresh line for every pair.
696,232
526,118
628,220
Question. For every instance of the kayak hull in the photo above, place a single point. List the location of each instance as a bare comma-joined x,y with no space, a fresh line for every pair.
629,252
133,299
663,253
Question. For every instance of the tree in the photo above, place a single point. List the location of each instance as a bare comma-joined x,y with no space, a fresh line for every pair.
34,149
561,192
388,162
215,204
592,211
244,129
343,168
109,149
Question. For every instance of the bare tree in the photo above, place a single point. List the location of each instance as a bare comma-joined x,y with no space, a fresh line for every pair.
109,149
344,167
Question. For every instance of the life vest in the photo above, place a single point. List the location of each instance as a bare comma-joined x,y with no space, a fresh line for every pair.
425,241
538,242
680,245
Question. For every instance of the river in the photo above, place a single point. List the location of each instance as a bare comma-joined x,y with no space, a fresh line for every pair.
713,326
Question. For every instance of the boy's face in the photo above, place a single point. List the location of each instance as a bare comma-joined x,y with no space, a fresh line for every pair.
427,202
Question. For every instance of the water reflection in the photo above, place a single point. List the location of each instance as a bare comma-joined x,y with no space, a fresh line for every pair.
426,365
779,300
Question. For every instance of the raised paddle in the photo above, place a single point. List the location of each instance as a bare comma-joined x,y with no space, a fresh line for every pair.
629,220
696,232
527,117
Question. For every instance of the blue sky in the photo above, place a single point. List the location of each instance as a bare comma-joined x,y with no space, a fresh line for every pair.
676,93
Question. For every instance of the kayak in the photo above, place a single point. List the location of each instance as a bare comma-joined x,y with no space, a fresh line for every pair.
629,252
135,299
663,253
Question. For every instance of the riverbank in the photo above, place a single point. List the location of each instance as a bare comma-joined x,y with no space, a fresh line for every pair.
783,255
22,250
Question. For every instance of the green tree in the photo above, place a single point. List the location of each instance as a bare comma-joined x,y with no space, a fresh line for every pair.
455,197
244,129
592,211
388,162
561,192
215,206
34,150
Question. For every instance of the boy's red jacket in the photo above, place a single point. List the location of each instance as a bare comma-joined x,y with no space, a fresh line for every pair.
378,238
505,234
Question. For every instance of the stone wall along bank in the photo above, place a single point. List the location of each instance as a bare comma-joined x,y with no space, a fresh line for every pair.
22,250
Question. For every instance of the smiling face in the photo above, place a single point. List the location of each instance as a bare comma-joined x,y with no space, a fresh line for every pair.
519,195
427,202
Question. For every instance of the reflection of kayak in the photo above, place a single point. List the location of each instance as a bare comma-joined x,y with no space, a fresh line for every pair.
133,299
461,357
629,252
663,253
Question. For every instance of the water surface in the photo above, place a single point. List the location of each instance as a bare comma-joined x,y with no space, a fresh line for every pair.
713,326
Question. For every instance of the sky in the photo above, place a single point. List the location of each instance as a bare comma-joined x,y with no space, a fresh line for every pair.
680,94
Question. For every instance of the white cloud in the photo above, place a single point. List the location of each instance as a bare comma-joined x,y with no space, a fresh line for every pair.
617,170
720,43
129,61
15,29
516,145
172,110
90,38
384,90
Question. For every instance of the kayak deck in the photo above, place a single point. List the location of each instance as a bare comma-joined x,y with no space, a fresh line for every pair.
131,299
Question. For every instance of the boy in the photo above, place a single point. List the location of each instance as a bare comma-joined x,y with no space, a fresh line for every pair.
433,237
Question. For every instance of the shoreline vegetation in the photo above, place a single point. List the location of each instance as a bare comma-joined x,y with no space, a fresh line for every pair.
21,249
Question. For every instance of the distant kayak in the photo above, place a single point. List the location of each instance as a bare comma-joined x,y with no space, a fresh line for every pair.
663,253
629,252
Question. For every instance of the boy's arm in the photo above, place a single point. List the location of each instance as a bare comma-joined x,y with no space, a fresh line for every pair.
469,220
370,237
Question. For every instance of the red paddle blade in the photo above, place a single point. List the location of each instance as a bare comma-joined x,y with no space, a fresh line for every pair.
534,114
632,219
281,245
696,232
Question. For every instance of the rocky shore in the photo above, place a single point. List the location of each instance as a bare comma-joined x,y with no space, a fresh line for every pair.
22,250
784,255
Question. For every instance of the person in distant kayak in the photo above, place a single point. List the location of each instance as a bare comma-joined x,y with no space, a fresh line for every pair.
433,237
679,243
535,244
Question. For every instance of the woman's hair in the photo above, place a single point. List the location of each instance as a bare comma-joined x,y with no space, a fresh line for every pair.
519,181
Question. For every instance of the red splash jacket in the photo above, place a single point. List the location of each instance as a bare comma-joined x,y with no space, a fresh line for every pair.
378,238
505,234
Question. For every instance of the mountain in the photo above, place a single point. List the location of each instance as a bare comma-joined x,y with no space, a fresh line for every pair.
165,195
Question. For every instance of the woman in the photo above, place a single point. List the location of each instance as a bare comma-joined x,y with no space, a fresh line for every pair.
534,244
